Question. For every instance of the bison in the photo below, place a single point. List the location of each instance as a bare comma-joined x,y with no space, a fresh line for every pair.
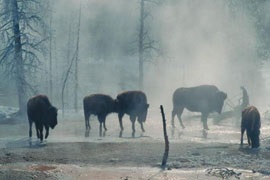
133,103
204,99
252,123
42,113
100,105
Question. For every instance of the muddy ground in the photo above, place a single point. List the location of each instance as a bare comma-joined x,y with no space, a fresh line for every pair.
68,154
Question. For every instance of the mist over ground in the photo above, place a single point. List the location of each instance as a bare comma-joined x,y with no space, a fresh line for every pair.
186,43
199,42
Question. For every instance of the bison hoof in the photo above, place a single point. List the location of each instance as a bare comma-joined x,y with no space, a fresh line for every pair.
120,134
86,133
204,132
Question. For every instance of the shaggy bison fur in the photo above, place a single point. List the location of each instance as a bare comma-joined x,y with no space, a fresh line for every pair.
133,103
42,113
204,99
100,105
251,123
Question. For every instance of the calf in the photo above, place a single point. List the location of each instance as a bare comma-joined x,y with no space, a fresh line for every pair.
252,123
100,105
42,113
133,103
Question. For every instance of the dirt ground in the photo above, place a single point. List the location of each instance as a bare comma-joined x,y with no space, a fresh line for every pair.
67,154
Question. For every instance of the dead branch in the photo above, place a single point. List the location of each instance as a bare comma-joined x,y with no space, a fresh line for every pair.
166,152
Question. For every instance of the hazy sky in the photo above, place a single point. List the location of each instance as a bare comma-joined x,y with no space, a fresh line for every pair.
203,41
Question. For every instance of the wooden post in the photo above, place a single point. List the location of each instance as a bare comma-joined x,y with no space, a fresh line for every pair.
166,152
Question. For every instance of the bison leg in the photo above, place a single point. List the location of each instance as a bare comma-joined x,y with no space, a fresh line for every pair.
120,117
47,132
100,129
242,135
173,115
104,123
104,126
41,134
179,113
101,120
255,139
30,128
133,119
37,131
100,125
204,120
142,127
86,117
249,137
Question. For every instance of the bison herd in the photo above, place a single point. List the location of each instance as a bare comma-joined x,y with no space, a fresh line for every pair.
204,99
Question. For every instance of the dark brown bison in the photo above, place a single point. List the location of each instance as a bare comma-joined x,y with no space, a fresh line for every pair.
252,123
133,103
42,113
100,105
204,99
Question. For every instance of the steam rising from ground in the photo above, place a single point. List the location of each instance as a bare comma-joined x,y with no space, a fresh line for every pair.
207,43
203,42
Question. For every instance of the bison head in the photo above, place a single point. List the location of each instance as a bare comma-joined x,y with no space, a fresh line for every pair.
144,110
220,97
52,116
116,106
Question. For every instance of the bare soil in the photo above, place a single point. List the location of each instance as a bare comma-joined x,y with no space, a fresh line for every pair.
67,154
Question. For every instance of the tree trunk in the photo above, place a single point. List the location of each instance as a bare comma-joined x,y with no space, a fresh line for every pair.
76,64
68,71
141,38
50,58
19,64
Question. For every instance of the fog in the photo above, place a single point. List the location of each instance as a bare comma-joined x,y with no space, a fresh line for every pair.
185,43
208,44
198,42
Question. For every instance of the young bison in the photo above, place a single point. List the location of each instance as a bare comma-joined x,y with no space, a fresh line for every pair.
252,123
133,103
42,113
100,105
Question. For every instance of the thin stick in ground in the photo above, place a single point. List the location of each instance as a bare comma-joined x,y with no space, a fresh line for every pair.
166,152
